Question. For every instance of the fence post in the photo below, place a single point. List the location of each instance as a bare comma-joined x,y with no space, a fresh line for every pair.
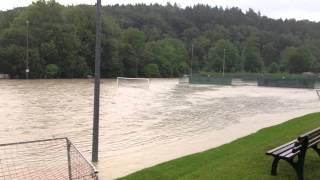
69,159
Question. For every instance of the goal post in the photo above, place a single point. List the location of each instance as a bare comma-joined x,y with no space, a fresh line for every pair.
318,93
133,82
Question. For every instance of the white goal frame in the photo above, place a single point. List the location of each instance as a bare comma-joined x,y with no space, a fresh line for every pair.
126,78
318,92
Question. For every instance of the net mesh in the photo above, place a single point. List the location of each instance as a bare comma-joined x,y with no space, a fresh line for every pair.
287,82
56,159
133,82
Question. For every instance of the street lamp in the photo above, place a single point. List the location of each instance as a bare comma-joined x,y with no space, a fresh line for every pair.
27,51
95,135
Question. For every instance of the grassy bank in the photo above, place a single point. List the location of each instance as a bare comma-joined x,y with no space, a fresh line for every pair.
242,159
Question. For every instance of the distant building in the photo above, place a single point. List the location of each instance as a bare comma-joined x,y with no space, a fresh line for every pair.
4,76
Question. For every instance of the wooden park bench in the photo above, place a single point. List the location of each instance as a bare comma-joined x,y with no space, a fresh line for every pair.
294,152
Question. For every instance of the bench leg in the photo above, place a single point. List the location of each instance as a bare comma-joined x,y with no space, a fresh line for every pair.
274,166
298,167
315,148
299,171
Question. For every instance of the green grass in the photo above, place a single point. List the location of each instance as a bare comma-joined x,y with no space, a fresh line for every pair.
241,159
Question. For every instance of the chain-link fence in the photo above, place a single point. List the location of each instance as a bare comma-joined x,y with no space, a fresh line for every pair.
261,79
52,159
287,82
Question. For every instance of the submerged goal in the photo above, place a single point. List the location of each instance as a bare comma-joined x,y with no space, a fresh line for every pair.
318,92
51,159
133,82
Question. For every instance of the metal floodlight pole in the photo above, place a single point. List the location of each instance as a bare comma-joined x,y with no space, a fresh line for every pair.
223,63
95,136
137,71
27,50
191,64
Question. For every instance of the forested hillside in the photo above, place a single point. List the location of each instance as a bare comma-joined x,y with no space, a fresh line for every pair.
153,41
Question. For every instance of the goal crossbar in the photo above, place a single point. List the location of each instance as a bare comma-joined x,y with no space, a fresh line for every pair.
133,79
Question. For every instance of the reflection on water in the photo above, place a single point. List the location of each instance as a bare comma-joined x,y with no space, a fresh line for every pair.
136,123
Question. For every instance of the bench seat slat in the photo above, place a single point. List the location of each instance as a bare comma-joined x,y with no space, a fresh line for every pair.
284,150
285,153
291,155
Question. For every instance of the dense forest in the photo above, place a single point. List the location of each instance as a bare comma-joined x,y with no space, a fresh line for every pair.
153,41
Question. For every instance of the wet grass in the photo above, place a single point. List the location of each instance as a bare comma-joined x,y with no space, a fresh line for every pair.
241,159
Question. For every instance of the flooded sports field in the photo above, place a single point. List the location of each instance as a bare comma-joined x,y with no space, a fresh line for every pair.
142,126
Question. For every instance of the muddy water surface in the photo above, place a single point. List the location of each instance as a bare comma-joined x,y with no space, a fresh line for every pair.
141,126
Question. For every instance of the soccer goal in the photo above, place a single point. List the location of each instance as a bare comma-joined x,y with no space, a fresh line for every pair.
50,159
318,92
184,79
133,82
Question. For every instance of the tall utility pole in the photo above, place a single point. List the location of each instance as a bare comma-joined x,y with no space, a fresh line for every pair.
224,61
27,50
95,135
191,63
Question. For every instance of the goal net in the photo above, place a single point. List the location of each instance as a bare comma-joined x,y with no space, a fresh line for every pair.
133,82
53,159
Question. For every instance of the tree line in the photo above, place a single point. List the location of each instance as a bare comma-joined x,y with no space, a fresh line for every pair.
153,41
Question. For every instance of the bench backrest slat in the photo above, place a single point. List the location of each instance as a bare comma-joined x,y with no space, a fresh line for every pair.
309,139
311,134
314,141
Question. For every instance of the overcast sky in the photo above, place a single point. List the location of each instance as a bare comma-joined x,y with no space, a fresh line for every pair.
298,9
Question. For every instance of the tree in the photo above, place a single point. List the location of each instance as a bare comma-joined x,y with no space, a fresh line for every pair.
133,44
297,60
152,70
190,33
201,47
269,54
224,51
286,54
135,36
13,59
252,61
170,55
274,68
300,62
52,70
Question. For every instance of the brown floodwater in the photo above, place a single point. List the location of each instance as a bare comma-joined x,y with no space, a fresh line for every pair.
142,126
